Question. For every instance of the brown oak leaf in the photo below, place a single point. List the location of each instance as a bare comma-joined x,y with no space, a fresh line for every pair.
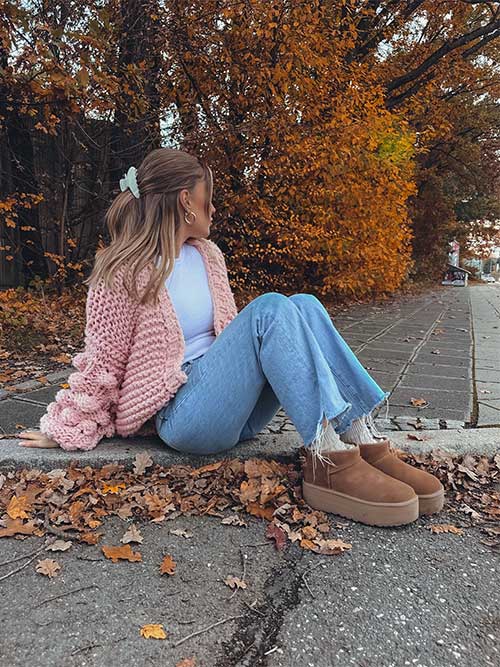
168,565
17,507
153,631
132,535
445,528
48,567
121,553
17,527
142,461
234,582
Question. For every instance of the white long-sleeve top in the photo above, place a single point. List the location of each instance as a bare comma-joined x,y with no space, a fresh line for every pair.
188,289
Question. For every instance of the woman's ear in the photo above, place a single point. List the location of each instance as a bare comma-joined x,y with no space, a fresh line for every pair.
183,199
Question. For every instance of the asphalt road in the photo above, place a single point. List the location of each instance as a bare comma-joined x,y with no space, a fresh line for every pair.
400,596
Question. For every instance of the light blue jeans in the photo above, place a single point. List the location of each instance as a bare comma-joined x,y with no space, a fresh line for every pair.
278,351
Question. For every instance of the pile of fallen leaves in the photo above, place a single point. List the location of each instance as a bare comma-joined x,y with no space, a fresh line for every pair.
72,503
39,332
472,486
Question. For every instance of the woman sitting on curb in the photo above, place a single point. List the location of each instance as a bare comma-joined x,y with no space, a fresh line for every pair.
165,345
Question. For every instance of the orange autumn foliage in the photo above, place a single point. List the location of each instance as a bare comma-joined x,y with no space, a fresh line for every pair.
345,137
313,173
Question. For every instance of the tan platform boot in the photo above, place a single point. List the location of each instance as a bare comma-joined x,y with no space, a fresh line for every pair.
347,485
428,488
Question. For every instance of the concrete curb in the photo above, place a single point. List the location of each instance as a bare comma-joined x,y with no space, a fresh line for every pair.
479,441
283,447
124,451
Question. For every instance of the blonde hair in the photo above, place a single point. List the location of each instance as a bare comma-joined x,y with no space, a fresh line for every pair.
143,229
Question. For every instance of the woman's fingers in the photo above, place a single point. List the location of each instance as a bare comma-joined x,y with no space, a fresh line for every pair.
31,438
36,439
39,443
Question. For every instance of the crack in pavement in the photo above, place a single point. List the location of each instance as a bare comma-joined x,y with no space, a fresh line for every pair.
256,631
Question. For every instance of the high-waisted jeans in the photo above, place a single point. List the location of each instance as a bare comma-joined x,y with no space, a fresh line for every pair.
278,351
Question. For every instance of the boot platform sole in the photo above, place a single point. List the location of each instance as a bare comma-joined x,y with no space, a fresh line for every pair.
431,503
364,511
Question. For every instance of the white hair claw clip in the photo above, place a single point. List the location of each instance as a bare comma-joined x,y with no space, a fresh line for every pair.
130,181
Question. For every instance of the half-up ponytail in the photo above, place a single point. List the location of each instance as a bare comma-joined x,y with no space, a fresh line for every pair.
144,229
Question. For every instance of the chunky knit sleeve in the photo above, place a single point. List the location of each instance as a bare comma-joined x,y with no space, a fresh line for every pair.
83,414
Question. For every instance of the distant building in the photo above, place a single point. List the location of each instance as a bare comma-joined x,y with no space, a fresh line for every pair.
475,265
490,264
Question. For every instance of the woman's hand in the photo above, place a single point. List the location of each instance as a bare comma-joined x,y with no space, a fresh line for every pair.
36,439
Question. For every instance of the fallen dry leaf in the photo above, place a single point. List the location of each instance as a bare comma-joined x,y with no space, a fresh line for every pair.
262,512
59,545
142,461
112,488
90,538
233,520
470,511
153,631
418,402
132,535
168,565
445,528
186,662
17,527
293,535
277,534
308,544
121,553
48,567
62,358
309,532
210,467
470,473
16,509
331,547
234,582
181,532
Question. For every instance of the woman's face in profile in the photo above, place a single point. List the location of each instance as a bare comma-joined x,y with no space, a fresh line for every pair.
195,202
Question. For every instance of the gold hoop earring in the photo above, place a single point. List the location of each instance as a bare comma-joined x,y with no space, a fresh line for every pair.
189,213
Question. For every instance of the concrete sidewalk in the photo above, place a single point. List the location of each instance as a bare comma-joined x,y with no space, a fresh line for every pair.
400,596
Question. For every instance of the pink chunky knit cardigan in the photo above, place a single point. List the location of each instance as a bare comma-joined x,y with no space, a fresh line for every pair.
131,363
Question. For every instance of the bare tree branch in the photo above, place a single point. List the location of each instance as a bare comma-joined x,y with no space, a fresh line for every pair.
482,42
396,100
371,24
437,55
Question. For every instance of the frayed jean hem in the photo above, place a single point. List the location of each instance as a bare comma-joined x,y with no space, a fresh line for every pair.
346,423
335,419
